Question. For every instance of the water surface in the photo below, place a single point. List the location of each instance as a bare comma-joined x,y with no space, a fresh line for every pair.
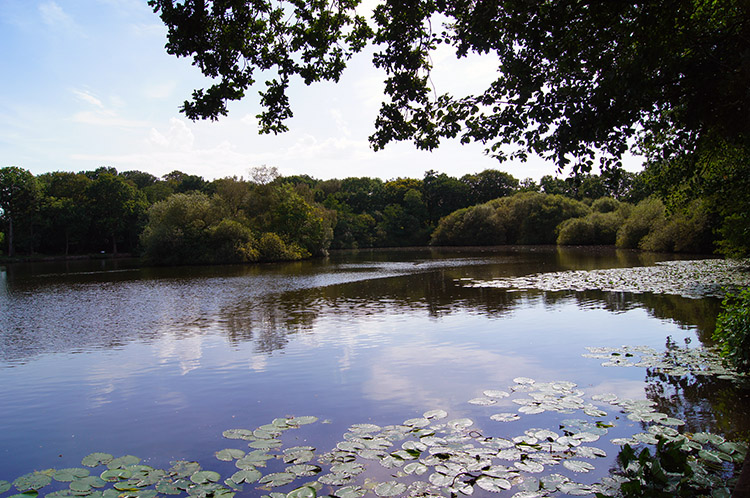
157,362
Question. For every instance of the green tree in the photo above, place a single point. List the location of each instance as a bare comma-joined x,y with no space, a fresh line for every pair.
489,184
19,194
116,208
64,212
575,80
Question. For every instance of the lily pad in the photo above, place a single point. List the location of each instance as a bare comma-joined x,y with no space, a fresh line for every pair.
114,475
4,486
184,468
167,488
205,476
229,454
238,434
390,488
95,459
494,393
305,420
415,468
434,414
277,479
350,492
493,484
246,475
505,417
302,492
123,461
577,465
303,470
32,481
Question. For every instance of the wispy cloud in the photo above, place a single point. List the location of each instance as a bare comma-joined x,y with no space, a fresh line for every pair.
54,16
87,97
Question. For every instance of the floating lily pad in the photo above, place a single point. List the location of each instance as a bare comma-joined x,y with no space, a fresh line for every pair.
32,481
529,466
493,484
205,476
246,475
482,401
238,434
415,468
277,479
123,461
183,468
505,417
167,488
350,492
95,459
434,414
68,475
303,492
4,486
305,420
303,470
390,488
229,454
577,465
494,393
265,444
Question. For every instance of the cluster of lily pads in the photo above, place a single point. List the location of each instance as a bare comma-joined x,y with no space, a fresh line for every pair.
693,279
675,361
427,456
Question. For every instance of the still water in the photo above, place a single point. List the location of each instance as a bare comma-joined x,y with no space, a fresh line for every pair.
109,357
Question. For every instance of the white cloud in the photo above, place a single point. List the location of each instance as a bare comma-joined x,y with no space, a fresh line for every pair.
178,138
54,16
87,97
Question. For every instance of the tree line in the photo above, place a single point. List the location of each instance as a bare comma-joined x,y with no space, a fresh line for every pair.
182,218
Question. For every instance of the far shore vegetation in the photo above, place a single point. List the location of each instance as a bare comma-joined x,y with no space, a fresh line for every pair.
185,219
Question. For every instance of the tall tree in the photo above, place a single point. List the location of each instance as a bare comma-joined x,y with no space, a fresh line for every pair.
116,207
18,197
575,79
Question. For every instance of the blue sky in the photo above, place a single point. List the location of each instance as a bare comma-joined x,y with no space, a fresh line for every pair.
87,83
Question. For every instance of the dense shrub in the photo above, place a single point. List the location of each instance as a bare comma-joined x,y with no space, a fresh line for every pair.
650,228
605,205
733,330
647,215
177,229
231,242
273,248
524,218
478,225
594,229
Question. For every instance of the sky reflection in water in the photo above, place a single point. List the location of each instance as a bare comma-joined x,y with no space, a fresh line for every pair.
158,362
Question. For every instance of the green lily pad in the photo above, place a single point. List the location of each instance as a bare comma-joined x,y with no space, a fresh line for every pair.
183,468
238,434
305,420
4,486
229,454
415,468
205,476
577,465
436,414
529,466
246,475
505,417
303,470
86,483
95,459
350,492
390,488
139,493
68,475
303,492
123,461
277,479
32,481
265,444
114,475
167,487
493,484
28,494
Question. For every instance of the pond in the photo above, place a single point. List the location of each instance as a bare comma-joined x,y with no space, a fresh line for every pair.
106,356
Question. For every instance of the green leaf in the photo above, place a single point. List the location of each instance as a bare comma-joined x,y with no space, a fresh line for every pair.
95,459
32,481
229,454
246,475
277,479
123,461
68,475
205,476
303,492
390,488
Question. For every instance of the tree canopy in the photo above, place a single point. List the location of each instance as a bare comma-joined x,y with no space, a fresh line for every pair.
576,80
